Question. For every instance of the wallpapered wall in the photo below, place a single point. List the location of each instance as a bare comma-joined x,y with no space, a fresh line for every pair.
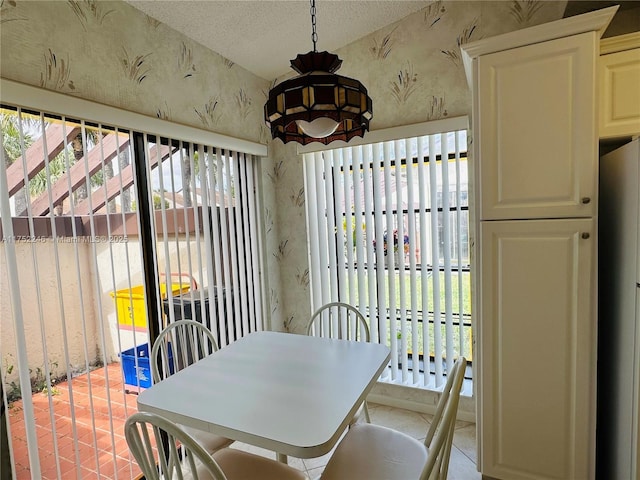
413,72
111,53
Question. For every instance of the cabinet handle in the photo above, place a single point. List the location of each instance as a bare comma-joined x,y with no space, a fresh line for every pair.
585,235
586,200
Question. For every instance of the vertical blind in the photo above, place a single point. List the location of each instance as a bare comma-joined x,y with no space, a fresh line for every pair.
71,238
389,233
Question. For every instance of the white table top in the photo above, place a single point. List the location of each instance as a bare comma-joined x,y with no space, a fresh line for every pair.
291,394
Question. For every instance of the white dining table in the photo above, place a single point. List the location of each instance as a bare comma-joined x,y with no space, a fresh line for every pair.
291,394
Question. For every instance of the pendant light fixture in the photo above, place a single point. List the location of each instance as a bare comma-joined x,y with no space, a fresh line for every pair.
318,105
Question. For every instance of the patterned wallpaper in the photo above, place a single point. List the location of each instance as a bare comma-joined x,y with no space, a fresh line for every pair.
413,72
109,52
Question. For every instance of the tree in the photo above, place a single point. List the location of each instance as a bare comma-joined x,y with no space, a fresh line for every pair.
123,162
40,182
13,125
78,153
12,150
186,178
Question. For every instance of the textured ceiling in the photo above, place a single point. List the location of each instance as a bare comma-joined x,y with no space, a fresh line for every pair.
263,36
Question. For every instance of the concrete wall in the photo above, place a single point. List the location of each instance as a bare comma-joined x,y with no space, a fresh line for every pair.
56,310
78,309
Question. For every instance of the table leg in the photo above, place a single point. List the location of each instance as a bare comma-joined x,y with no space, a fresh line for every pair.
282,458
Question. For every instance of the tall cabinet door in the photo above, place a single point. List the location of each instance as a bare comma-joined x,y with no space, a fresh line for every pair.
537,130
538,344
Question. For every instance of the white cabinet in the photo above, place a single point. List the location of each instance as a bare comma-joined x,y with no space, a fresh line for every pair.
619,73
535,154
536,127
538,341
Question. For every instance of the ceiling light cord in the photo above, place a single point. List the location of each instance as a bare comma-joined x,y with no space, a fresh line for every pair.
314,34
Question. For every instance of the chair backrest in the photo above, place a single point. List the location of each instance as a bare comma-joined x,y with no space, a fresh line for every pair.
440,434
179,345
339,320
178,454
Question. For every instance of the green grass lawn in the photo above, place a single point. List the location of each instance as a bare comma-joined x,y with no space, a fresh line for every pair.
459,283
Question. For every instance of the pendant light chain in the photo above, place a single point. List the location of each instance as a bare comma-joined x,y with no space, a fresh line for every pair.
317,105
314,34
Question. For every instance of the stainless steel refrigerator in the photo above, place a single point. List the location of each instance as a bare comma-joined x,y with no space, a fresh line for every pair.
618,428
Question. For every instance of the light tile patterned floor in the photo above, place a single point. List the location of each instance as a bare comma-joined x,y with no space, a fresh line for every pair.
107,451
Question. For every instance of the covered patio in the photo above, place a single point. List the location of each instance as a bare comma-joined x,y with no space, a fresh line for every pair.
95,405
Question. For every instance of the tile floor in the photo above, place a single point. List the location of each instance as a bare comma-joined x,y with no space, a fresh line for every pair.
101,455
105,455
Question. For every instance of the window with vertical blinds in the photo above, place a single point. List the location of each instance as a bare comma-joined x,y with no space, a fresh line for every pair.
389,233
76,324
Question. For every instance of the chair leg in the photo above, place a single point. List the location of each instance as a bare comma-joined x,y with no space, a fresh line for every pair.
366,412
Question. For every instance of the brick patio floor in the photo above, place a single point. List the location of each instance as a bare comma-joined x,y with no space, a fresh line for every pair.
100,408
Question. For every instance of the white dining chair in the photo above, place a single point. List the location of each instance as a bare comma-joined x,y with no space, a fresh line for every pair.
339,320
343,321
163,450
179,345
374,452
